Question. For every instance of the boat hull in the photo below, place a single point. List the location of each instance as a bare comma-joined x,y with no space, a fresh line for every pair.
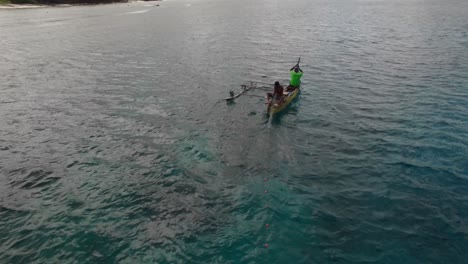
272,109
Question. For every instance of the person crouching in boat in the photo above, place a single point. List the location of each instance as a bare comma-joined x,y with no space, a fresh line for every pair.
296,74
277,93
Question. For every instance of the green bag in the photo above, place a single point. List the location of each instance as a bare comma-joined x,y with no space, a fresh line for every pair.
295,78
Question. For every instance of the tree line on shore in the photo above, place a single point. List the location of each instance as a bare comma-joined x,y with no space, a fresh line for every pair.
70,2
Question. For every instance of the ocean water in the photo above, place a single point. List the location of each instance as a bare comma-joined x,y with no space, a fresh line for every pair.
116,145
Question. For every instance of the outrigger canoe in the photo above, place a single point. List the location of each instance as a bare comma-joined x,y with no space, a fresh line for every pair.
275,106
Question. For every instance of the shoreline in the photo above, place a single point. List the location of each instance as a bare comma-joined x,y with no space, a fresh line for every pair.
16,6
31,6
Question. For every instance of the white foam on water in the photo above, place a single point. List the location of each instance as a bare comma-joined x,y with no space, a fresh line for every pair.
137,12
50,24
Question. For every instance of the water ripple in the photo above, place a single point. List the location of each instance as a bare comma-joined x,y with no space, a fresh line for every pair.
116,145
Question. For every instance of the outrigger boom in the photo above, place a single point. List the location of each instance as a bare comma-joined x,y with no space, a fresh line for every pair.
245,88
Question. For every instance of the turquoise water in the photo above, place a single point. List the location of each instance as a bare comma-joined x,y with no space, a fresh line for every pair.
116,145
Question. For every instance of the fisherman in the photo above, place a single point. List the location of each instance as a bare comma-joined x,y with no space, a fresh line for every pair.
296,74
277,92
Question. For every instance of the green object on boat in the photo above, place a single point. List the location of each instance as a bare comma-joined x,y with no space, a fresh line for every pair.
295,78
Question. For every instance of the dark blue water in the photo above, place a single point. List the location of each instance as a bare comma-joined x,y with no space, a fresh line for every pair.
116,145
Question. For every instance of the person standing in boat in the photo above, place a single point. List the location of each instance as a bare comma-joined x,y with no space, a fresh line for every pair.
296,74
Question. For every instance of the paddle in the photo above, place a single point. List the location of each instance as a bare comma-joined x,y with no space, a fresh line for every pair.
297,65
